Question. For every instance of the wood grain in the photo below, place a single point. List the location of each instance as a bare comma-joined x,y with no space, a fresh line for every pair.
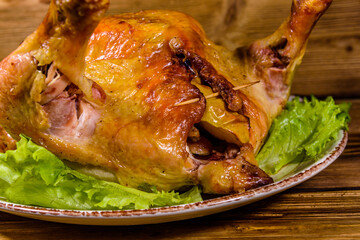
325,207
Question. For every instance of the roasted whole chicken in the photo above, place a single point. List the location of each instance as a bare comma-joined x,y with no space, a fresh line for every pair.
126,94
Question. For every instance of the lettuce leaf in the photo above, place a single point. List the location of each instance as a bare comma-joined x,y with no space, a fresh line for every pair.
302,132
31,175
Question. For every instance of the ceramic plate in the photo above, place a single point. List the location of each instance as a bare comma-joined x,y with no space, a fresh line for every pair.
174,213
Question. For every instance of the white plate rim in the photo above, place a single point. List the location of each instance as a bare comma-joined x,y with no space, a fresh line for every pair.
179,212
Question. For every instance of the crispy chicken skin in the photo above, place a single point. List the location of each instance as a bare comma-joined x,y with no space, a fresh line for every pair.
106,92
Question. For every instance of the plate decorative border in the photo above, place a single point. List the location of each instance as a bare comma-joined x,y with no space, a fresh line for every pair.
180,212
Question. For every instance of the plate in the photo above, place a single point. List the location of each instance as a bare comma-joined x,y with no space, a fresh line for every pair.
181,212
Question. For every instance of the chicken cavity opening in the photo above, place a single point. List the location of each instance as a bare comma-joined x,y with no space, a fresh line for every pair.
69,112
204,146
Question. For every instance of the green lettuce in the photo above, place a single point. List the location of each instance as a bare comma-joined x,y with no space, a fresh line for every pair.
301,134
31,175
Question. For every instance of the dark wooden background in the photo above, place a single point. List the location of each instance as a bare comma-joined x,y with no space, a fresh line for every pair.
325,207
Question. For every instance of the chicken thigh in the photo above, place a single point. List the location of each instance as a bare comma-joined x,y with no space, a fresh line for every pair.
114,92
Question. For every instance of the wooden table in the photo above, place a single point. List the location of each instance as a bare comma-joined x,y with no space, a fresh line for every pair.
325,207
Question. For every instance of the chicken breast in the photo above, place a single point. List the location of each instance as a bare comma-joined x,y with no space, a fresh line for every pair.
127,93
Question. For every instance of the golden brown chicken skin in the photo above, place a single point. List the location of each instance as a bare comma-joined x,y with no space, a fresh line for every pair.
108,92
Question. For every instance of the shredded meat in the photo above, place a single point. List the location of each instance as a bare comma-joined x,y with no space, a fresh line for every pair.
54,89
69,113
62,114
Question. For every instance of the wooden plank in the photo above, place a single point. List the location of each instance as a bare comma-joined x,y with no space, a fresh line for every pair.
331,65
325,207
290,215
